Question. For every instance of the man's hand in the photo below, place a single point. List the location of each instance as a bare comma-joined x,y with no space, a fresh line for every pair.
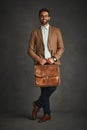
50,61
42,61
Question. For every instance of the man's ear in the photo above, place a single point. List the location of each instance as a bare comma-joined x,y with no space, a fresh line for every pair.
49,17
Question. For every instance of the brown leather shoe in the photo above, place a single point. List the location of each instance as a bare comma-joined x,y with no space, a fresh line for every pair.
46,117
35,111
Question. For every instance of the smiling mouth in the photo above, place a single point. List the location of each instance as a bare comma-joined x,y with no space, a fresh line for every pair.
44,20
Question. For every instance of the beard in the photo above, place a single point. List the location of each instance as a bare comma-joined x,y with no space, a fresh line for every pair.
44,22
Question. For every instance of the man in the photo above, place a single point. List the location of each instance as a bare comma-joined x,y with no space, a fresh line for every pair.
45,47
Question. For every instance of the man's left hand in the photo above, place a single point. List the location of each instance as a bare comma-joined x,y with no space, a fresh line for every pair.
50,61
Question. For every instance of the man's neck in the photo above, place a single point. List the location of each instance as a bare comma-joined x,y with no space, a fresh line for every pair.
45,25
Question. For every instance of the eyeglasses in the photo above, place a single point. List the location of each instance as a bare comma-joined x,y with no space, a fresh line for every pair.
44,16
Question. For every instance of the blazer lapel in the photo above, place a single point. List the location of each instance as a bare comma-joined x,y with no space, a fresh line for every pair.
40,34
41,37
50,34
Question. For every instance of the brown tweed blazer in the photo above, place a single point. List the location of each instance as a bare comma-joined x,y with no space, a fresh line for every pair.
55,44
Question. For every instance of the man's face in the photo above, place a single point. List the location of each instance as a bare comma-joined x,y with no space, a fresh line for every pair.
44,18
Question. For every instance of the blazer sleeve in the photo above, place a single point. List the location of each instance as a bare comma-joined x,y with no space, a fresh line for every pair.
60,45
31,47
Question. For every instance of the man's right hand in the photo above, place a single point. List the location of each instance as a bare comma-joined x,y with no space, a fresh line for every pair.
42,61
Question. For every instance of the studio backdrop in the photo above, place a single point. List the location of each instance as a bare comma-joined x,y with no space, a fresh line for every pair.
17,19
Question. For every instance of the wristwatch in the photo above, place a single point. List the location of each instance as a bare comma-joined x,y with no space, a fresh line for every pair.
55,59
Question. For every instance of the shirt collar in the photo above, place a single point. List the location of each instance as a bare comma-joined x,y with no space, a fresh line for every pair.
45,27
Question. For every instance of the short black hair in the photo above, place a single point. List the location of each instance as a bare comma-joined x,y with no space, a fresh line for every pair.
44,9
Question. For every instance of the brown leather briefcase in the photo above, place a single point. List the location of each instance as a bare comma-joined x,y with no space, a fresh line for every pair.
46,75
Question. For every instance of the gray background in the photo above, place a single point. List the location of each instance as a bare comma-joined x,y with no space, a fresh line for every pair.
17,19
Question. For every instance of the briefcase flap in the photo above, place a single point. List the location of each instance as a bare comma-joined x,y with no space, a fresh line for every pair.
46,70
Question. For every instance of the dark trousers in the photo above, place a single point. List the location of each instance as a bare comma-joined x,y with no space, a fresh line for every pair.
43,100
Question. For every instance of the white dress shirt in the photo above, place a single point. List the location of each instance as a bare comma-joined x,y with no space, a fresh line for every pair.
45,32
